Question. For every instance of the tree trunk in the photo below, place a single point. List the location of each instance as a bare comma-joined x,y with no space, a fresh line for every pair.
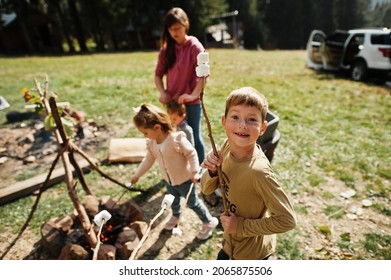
63,25
21,18
79,27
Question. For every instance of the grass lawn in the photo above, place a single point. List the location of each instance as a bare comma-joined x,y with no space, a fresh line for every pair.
335,136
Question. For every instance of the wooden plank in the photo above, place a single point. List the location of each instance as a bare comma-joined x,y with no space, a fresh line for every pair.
59,104
26,187
127,149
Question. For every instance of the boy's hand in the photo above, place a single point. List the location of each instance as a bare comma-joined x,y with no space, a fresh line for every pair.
211,162
229,222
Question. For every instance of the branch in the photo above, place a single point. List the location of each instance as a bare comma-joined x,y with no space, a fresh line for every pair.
96,249
145,236
223,179
83,216
33,208
95,167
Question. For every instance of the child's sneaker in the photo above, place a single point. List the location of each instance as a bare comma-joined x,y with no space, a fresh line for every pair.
172,222
207,229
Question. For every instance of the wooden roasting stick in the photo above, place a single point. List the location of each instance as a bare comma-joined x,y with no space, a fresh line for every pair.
166,203
223,179
203,71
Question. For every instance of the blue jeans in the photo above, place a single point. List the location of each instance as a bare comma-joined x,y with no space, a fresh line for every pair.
194,118
194,203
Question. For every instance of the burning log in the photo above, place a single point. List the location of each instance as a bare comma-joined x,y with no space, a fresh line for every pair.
73,252
64,238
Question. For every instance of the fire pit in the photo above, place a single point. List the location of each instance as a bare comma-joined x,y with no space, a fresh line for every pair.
65,238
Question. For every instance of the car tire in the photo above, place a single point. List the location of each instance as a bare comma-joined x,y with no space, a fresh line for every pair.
359,71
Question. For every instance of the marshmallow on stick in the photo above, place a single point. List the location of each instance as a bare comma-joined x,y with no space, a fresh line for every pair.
102,217
202,58
167,200
203,69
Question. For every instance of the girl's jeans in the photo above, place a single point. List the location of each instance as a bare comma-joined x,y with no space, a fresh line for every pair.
193,202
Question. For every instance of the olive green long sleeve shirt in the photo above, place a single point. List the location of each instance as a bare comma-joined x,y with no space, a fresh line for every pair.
252,189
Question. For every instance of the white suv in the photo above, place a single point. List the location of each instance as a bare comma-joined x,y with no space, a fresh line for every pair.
363,52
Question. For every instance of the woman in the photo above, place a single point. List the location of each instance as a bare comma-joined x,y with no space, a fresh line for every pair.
177,61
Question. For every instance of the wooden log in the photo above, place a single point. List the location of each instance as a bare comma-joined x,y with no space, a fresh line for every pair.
27,187
131,150
59,104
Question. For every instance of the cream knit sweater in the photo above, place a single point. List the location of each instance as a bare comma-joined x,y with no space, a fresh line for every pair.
176,156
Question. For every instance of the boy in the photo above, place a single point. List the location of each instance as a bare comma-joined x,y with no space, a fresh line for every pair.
177,113
249,233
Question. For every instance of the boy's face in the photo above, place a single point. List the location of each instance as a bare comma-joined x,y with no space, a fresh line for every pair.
176,119
243,125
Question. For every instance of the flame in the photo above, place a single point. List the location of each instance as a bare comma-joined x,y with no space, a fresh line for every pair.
103,238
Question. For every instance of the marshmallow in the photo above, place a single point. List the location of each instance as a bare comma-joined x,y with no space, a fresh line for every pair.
202,58
102,217
167,200
202,70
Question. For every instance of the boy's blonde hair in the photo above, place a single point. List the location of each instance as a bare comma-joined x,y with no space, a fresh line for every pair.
248,96
149,115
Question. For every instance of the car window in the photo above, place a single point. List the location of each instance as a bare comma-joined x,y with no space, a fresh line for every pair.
337,37
381,39
358,39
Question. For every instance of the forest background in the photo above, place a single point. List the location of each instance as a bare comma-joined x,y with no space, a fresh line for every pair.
103,25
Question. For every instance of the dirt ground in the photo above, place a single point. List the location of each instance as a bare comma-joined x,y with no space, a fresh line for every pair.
359,219
21,143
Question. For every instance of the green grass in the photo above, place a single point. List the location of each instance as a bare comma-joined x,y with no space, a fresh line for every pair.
378,244
330,126
334,211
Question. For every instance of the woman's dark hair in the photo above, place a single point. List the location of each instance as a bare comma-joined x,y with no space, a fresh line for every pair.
174,15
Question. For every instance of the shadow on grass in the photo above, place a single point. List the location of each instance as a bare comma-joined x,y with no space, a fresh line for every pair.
345,75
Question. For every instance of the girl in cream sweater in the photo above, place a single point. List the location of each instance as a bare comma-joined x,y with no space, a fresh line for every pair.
178,161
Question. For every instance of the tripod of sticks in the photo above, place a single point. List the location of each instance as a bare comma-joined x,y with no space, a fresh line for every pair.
66,152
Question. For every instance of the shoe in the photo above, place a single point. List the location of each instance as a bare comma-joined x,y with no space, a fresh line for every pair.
207,229
172,222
